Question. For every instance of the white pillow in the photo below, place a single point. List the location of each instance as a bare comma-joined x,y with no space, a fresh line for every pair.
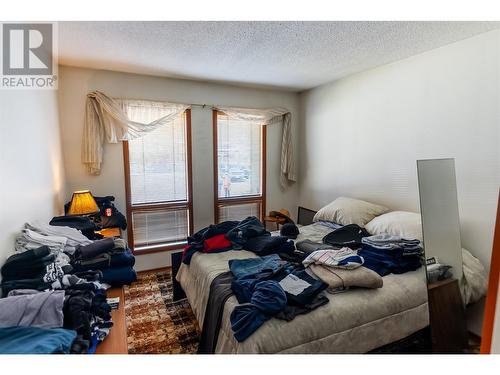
349,211
398,223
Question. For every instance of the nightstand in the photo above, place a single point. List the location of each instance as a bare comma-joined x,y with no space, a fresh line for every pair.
110,232
447,317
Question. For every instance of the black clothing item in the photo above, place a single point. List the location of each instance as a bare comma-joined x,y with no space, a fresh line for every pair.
36,284
82,308
89,275
95,248
348,236
220,291
289,230
266,245
195,242
30,264
117,219
82,223
290,312
307,296
249,228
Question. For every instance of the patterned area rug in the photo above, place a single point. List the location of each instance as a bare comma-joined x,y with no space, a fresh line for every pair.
156,324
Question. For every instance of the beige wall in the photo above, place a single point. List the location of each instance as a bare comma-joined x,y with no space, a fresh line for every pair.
32,186
363,134
75,83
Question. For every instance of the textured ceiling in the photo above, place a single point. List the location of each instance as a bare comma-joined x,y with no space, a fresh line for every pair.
289,55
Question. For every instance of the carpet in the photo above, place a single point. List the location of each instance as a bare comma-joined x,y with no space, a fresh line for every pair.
155,323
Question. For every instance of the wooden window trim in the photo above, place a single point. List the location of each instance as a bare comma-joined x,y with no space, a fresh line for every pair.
160,205
220,202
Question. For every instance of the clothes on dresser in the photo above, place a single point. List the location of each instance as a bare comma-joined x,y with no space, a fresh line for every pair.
31,308
81,223
74,237
95,248
29,240
119,276
30,264
109,256
35,340
36,284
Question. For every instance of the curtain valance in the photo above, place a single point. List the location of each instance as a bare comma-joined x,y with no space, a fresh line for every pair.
271,116
106,120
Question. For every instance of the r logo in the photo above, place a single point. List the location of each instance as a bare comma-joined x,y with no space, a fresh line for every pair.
27,49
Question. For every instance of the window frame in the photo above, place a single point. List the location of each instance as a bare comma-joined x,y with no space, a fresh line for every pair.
247,199
170,205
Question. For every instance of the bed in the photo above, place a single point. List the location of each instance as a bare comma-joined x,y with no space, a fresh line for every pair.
355,321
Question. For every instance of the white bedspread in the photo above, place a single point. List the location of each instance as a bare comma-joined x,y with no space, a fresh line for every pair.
355,321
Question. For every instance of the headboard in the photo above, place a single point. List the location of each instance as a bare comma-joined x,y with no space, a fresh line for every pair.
305,216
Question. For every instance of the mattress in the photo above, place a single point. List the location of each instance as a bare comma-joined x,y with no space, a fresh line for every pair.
355,321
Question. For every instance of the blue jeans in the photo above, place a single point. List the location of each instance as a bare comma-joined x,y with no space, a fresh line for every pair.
256,268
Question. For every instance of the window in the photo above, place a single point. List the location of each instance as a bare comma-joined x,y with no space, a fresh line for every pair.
158,181
239,168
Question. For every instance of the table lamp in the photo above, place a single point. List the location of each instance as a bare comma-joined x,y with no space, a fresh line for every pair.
83,203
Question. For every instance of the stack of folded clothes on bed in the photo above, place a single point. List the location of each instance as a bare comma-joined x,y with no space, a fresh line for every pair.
111,256
248,234
385,254
340,268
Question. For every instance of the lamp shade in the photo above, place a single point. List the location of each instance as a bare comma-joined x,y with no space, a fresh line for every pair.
82,203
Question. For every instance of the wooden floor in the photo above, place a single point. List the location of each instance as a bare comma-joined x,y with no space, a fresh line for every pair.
116,342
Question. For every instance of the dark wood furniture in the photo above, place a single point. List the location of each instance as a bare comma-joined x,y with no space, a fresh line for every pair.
178,293
447,317
116,342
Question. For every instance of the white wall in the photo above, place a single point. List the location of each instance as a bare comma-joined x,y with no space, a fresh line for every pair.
363,134
31,171
75,83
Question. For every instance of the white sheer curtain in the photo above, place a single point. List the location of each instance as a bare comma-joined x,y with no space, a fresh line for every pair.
271,116
106,120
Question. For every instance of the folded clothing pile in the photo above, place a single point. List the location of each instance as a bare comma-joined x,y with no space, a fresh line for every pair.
33,269
385,253
269,287
84,315
111,256
62,241
54,290
35,340
248,234
340,268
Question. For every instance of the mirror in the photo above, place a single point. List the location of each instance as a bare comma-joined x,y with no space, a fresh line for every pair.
439,210
441,240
